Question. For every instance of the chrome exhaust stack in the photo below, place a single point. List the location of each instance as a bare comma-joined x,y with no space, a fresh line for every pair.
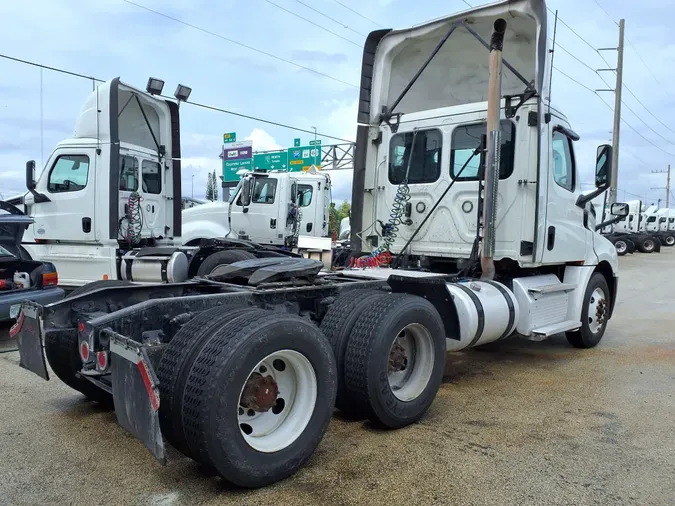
491,177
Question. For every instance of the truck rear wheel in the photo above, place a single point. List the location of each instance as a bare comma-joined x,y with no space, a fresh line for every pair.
395,359
646,244
337,326
225,257
175,365
621,247
594,314
259,397
61,349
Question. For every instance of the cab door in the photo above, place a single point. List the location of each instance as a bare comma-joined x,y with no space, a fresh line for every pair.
565,237
261,220
69,182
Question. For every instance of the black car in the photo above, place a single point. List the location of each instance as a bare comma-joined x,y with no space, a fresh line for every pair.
22,278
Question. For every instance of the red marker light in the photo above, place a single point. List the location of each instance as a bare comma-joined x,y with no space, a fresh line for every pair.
84,351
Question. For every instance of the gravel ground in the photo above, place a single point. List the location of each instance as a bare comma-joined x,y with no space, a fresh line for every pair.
515,423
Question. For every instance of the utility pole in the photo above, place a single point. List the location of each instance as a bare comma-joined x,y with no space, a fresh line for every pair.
617,112
667,188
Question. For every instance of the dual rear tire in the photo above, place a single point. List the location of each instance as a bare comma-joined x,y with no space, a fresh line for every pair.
390,354
250,393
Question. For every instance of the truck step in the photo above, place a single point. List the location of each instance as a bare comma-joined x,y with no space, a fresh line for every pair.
553,288
548,330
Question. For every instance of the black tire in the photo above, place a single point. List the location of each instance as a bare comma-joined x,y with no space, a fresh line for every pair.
212,396
621,247
337,326
584,337
225,257
367,364
96,285
174,367
669,240
61,349
646,244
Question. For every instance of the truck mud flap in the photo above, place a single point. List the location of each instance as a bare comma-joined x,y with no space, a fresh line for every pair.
28,333
136,393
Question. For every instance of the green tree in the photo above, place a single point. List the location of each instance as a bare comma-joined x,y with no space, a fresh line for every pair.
343,210
214,180
211,193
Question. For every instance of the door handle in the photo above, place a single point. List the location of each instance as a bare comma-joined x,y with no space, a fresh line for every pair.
86,225
551,238
273,223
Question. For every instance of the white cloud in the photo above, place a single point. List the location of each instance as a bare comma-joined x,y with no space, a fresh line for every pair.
262,141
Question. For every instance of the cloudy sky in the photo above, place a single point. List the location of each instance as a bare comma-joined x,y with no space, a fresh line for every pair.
110,38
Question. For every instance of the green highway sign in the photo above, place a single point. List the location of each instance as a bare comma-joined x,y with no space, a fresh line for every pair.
296,142
277,160
315,143
231,167
303,157
230,137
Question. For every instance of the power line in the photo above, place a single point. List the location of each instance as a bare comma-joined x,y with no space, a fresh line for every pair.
239,43
196,104
647,109
603,10
269,122
332,19
311,22
572,79
358,13
7,57
580,37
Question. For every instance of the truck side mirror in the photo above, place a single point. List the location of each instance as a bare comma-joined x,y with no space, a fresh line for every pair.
619,209
30,175
603,165
294,192
246,191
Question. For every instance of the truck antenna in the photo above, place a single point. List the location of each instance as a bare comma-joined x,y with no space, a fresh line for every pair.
552,51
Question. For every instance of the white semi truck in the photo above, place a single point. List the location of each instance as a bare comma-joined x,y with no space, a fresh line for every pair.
107,205
637,231
241,370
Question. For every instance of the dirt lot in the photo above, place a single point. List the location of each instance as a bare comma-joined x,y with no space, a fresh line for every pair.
518,423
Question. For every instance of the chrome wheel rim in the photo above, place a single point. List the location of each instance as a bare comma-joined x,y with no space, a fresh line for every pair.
410,362
597,310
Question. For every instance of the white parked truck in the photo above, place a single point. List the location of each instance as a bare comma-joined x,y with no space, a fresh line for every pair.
241,370
279,208
108,202
632,231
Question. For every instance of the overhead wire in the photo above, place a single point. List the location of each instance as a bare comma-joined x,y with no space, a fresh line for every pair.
196,104
241,44
331,18
312,23
357,13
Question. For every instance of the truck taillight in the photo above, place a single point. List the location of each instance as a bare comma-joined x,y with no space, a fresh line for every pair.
84,351
50,279
102,360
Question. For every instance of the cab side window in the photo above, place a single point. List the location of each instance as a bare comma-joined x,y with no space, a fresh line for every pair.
128,173
69,174
563,161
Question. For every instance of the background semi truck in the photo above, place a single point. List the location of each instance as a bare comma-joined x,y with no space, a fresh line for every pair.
108,202
241,370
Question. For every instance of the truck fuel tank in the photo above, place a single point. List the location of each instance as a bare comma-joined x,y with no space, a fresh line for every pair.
155,265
